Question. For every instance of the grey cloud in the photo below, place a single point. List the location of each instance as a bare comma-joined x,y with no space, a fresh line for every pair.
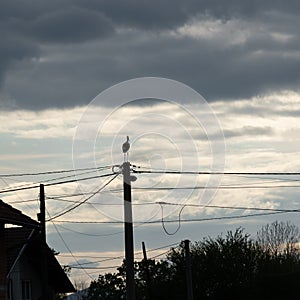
214,71
166,14
248,131
94,54
262,111
144,14
71,25
12,50
288,112
25,24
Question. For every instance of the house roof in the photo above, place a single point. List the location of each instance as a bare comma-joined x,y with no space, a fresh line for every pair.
10,215
26,242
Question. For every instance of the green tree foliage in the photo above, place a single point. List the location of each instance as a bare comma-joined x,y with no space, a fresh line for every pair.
227,267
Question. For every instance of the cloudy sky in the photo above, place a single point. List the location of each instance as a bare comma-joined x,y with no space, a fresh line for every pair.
64,106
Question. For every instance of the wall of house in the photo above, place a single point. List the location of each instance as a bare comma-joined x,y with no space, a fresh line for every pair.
23,271
14,276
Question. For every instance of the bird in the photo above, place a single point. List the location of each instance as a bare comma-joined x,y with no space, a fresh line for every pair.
126,147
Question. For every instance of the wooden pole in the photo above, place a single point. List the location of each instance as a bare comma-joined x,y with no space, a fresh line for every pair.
148,277
188,269
129,256
42,219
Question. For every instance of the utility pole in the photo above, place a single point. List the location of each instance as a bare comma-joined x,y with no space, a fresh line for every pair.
148,278
129,257
42,219
42,214
189,283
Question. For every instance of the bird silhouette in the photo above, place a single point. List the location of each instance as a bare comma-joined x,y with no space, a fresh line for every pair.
126,147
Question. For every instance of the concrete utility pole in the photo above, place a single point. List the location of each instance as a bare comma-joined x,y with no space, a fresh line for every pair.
189,283
129,256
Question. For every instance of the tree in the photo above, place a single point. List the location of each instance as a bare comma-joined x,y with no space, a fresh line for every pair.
233,266
279,238
80,284
279,270
162,280
224,266
108,286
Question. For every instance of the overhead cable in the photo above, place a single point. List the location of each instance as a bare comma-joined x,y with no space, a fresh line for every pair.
55,172
83,201
55,183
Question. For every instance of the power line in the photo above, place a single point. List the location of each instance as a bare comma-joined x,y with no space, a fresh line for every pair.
89,203
91,234
66,245
158,255
221,187
122,256
85,200
231,217
231,207
196,205
273,180
94,268
166,203
28,206
56,183
185,220
22,187
98,261
83,256
163,222
161,247
52,179
140,252
56,171
88,222
217,173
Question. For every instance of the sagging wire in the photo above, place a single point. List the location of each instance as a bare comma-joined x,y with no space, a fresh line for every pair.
163,221
84,200
67,247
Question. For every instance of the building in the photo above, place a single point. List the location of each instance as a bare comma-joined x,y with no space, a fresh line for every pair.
28,267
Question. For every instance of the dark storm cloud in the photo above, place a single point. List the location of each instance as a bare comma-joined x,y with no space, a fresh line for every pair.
214,71
24,25
14,49
58,24
71,25
64,53
167,14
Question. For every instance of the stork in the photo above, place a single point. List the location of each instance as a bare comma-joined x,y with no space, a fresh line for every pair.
125,148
